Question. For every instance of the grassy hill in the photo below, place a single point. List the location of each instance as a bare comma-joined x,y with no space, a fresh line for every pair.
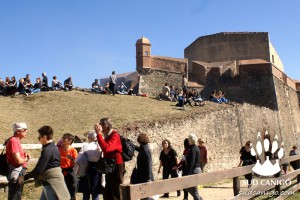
76,112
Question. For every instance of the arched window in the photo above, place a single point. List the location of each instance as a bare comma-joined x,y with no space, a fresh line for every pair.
146,53
139,54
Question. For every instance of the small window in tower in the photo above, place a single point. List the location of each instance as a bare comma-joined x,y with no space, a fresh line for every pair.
146,53
273,61
139,53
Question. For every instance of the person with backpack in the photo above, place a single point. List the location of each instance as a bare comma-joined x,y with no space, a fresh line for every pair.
110,143
17,160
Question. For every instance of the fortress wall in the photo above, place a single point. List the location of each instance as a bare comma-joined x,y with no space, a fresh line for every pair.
287,101
168,64
224,132
229,46
151,81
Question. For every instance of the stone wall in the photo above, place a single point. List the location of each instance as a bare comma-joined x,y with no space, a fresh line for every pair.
229,46
168,64
254,85
151,81
223,131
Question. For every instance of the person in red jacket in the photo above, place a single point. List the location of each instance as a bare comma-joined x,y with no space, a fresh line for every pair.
110,143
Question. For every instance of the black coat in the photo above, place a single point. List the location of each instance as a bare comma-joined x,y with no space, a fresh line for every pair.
144,165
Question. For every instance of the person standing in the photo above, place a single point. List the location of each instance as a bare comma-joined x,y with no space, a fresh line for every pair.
144,161
110,143
90,184
184,84
112,82
295,164
193,164
182,164
169,161
47,171
247,159
203,154
68,154
17,160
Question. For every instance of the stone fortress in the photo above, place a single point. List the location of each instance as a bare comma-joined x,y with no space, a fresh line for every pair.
244,65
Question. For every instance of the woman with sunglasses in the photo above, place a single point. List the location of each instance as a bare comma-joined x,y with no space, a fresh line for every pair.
48,171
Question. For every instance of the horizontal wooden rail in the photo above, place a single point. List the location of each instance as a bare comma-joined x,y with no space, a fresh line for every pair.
133,192
39,146
262,188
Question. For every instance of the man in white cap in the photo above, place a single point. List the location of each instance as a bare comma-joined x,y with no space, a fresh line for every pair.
17,160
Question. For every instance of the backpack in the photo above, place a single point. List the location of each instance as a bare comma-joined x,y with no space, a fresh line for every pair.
3,161
127,148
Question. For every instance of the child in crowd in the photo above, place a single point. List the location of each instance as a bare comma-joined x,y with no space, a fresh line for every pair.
68,154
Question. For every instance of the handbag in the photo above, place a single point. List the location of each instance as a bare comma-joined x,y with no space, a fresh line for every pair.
133,176
106,165
3,160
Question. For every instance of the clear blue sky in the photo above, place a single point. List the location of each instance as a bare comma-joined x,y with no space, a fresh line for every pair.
88,39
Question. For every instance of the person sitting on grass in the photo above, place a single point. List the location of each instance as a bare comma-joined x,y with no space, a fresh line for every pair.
96,86
217,98
212,95
2,85
68,84
68,154
173,93
165,94
37,86
45,86
11,86
27,82
22,89
106,88
223,99
122,89
56,84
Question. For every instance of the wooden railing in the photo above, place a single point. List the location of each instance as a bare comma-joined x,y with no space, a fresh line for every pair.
138,191
39,146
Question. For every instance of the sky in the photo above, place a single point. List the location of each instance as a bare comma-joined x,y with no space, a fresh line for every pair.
89,39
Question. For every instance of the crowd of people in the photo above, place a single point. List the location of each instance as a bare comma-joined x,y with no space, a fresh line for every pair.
110,87
181,96
62,172
10,86
218,97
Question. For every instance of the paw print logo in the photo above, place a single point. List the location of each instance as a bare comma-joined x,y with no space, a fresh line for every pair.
267,168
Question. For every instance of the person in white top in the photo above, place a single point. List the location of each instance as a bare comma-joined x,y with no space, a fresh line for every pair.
90,180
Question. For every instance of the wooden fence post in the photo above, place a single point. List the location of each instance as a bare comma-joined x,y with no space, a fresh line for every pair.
236,186
277,187
125,192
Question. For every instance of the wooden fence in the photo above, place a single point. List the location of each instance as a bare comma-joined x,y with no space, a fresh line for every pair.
39,146
138,191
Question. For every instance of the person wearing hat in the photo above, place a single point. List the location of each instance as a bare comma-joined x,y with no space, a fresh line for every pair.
17,160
